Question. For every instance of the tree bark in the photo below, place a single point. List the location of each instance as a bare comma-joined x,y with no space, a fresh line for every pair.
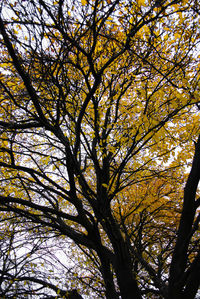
123,263
180,254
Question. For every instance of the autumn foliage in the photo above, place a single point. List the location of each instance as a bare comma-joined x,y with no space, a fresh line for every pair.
99,125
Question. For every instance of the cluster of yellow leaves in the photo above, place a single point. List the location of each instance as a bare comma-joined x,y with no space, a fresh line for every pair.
153,205
136,94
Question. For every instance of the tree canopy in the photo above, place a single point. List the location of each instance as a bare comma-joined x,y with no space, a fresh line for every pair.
99,123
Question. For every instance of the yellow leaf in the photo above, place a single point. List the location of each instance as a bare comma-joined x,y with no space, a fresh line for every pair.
146,28
105,185
177,35
84,2
141,2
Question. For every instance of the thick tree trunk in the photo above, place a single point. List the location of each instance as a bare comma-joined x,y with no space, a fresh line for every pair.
123,263
177,281
108,280
127,283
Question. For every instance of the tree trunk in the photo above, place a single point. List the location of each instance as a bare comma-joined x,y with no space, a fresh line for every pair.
180,254
127,283
123,263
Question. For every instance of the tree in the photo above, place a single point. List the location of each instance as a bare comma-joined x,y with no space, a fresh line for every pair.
22,262
99,111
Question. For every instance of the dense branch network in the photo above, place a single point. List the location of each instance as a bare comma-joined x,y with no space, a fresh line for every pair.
98,110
